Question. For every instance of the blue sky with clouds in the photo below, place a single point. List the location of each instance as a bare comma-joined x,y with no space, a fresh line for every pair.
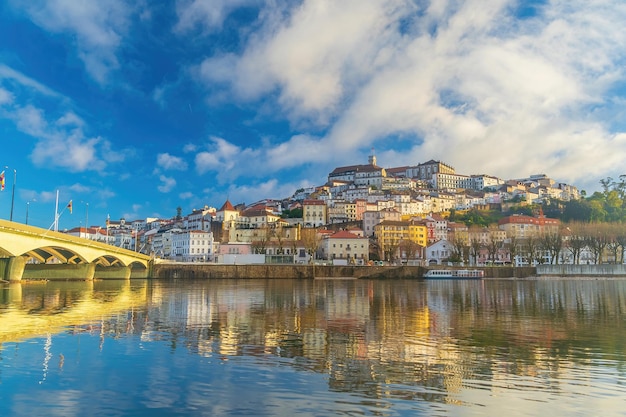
137,107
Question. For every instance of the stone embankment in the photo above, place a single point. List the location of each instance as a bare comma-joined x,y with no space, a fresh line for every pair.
582,270
220,271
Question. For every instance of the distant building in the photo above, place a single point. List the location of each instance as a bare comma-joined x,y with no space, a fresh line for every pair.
192,246
314,213
521,226
345,245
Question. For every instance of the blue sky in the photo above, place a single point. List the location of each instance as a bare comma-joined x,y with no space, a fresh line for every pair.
133,108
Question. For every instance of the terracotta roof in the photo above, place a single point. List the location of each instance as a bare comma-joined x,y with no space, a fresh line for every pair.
354,169
227,206
313,203
257,212
343,234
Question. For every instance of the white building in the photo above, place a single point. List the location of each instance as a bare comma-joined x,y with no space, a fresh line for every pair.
346,246
438,252
192,246
372,218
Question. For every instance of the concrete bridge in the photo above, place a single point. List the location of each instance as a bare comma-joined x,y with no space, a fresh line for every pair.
28,252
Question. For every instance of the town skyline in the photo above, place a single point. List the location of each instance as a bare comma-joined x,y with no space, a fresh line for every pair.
77,215
131,109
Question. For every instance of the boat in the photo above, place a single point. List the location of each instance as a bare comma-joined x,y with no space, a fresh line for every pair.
454,274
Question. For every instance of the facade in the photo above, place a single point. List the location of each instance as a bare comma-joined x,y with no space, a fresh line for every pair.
401,239
442,181
521,226
346,246
314,213
162,243
192,246
480,182
439,252
200,219
437,227
256,218
426,170
372,218
227,215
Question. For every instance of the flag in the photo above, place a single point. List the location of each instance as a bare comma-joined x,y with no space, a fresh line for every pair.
69,206
2,181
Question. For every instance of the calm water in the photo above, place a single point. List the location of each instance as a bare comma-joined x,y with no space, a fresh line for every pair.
313,348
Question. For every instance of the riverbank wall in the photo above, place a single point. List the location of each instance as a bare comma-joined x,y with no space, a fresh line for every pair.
582,270
220,271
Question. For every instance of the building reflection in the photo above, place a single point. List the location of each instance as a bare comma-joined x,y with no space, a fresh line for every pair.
433,339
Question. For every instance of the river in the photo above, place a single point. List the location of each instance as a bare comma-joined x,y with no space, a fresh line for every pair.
313,348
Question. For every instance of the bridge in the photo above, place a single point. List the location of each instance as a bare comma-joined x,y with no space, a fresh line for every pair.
28,252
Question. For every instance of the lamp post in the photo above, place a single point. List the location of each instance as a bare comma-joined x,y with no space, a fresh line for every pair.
27,205
87,229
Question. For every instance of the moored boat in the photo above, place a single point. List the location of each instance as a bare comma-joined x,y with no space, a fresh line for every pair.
454,274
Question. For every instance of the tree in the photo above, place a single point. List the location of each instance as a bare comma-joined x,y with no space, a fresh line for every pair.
513,247
460,250
276,232
493,244
475,247
597,241
553,243
533,250
311,241
409,248
575,241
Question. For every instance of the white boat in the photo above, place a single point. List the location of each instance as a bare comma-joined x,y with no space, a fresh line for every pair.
454,274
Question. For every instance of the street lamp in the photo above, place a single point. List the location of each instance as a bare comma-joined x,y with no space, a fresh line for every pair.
27,205
87,229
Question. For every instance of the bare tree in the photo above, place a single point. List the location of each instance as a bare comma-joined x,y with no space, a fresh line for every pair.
533,250
552,242
616,240
621,239
409,248
493,245
311,241
475,247
597,240
460,249
513,247
575,240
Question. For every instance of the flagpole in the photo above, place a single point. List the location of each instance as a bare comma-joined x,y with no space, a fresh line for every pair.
56,214
13,193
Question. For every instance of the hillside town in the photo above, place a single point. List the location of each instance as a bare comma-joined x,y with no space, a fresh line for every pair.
363,215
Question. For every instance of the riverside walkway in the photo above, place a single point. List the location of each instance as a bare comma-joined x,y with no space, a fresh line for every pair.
28,252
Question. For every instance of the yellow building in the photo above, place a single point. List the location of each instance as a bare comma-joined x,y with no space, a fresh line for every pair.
401,238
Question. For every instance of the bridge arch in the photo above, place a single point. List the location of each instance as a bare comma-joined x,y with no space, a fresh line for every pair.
45,246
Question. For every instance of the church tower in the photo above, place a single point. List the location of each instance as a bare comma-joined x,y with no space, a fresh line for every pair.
372,158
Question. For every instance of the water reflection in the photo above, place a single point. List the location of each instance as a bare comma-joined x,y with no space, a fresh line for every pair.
381,347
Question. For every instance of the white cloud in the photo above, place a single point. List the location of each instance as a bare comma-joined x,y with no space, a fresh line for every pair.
206,14
98,28
5,97
186,195
170,162
60,143
464,82
271,188
190,147
80,188
227,159
61,140
167,184
8,73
